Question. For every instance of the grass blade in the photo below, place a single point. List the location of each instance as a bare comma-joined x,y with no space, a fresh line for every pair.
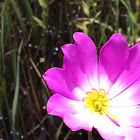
15,7
15,101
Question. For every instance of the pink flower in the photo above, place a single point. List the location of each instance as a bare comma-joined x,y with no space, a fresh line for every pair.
103,94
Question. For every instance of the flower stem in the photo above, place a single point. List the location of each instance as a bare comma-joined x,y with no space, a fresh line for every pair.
89,135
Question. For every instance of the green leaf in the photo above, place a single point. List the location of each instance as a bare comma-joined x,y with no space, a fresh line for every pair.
58,131
39,22
15,101
83,26
132,16
18,13
125,4
85,8
42,3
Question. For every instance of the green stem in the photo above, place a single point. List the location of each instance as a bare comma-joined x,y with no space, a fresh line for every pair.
89,135
117,15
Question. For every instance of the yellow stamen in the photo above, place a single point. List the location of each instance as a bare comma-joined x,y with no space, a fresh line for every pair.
98,102
101,93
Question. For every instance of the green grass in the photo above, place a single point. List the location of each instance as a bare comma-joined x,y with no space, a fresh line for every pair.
29,32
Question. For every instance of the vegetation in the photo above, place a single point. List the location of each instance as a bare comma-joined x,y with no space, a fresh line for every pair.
31,34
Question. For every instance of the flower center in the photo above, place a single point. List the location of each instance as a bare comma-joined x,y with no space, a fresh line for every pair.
98,102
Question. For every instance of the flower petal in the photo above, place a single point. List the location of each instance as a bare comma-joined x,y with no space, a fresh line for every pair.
110,136
60,106
58,82
129,115
129,97
131,133
113,57
108,130
82,120
130,74
80,62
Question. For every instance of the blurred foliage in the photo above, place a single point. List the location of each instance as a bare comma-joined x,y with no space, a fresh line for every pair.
31,34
